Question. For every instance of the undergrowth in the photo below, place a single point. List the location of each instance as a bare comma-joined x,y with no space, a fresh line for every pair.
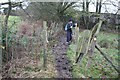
99,67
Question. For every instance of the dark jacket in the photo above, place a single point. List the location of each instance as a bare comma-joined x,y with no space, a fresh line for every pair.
69,27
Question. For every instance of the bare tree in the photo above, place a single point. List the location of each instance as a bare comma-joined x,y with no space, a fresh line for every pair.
98,6
49,11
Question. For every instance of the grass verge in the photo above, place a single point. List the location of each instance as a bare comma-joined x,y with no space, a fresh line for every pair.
99,67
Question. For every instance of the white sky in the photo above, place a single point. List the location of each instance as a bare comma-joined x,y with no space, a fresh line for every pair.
110,8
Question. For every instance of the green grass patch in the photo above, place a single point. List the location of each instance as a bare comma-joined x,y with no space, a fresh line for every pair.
99,67
108,40
13,23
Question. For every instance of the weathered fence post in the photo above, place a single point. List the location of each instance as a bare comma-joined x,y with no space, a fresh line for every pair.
76,39
76,33
91,52
36,49
88,42
82,45
1,48
44,43
92,42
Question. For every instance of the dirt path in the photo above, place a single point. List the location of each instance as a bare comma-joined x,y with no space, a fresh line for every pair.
62,62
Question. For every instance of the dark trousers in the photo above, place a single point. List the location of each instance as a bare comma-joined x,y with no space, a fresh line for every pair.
69,36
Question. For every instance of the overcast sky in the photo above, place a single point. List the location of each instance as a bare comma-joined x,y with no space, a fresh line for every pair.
107,7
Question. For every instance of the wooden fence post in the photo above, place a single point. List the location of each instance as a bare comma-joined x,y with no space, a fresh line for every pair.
44,44
1,47
88,40
76,39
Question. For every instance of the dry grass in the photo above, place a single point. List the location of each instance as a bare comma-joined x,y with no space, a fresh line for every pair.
28,68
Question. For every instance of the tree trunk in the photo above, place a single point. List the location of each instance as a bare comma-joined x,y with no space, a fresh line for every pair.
97,6
83,5
100,5
87,6
4,35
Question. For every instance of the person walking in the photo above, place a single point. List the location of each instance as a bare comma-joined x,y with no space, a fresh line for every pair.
68,29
